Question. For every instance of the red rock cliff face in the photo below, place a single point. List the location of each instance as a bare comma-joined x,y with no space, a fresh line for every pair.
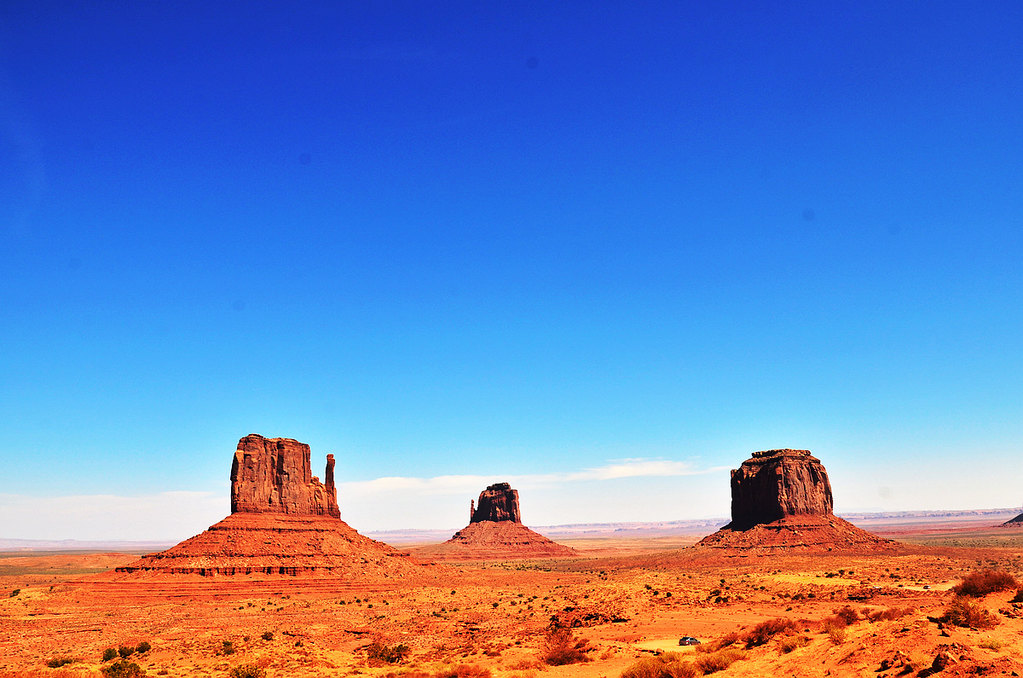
496,503
778,483
273,475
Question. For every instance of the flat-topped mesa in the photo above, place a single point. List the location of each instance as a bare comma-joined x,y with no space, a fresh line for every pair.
497,503
273,475
774,484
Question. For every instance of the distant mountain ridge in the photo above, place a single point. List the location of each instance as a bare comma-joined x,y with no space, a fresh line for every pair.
568,530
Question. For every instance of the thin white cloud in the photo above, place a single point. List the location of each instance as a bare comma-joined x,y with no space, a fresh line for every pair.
460,484
107,516
388,502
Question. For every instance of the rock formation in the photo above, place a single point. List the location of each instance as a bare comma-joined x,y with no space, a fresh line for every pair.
495,532
781,499
283,521
778,483
273,475
1014,522
498,502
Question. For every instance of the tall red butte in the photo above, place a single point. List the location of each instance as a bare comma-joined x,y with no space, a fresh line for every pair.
782,500
283,521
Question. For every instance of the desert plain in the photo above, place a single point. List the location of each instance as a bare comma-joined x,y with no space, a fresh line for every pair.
626,597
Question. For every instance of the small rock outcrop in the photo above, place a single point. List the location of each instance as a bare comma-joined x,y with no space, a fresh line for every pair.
497,503
782,501
774,484
274,475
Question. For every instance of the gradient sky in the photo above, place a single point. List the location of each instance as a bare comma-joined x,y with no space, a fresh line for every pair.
603,252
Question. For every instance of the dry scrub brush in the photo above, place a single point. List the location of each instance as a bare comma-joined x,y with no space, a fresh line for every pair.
982,582
667,665
561,648
766,630
965,612
671,665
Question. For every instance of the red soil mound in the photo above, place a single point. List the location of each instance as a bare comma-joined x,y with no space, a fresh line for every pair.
798,533
250,543
490,540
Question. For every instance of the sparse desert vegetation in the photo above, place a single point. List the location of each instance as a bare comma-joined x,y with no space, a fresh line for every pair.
782,610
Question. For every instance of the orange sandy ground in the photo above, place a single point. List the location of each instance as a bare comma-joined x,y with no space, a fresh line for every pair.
494,616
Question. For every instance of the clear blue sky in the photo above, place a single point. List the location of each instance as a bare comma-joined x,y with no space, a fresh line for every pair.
512,239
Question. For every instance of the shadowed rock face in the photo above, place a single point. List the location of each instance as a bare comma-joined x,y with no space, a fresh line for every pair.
273,475
777,483
496,503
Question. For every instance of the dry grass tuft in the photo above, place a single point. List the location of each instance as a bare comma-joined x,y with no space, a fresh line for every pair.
789,644
718,661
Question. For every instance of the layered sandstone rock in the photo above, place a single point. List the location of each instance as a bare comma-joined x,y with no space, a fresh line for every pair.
495,532
497,503
782,500
283,521
774,484
274,475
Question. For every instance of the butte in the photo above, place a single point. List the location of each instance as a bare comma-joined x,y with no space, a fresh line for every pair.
782,502
495,532
283,521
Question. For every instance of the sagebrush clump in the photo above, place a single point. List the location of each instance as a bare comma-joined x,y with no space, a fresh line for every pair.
378,651
561,648
765,630
666,665
965,612
247,671
982,582
123,668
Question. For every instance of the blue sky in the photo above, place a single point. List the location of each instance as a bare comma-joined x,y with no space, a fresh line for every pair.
493,240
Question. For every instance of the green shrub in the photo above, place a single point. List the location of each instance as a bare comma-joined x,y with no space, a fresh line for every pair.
982,582
667,665
247,671
109,653
388,654
965,612
267,635
765,630
227,647
15,592
57,662
125,651
123,668
144,646
561,648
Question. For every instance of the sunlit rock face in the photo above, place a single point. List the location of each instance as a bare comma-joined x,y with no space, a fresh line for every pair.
274,475
497,503
774,484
